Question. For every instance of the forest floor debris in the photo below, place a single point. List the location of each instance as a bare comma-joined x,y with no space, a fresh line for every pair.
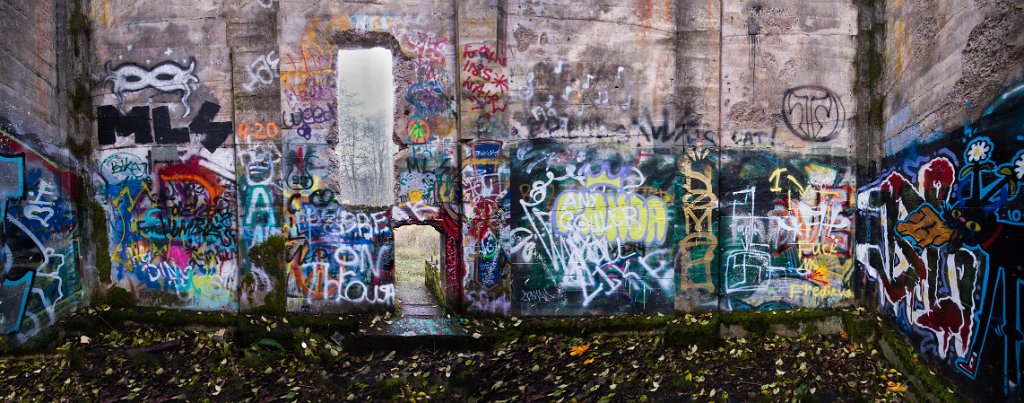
135,362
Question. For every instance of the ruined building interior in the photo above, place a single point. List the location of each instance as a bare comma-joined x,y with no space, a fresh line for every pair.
577,159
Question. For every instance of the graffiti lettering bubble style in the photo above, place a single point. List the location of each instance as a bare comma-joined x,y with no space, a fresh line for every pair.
813,113
167,76
615,216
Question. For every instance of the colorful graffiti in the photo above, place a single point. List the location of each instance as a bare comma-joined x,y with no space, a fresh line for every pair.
339,258
427,168
938,243
485,85
789,228
591,229
41,278
173,225
485,181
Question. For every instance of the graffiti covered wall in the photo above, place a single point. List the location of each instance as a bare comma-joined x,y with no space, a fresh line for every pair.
940,207
787,186
364,172
42,277
945,218
166,163
591,229
567,174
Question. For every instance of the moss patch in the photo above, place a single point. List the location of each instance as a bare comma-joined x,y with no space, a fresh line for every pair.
79,26
98,235
270,256
432,280
121,298
81,105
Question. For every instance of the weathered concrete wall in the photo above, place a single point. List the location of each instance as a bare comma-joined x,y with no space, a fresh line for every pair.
31,102
569,171
943,218
42,276
166,151
787,125
578,159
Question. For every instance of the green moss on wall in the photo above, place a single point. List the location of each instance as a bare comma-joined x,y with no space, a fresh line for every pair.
270,256
98,235
121,298
81,105
79,26
432,280
82,151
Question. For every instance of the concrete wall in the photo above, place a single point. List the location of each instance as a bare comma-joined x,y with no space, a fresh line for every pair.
697,159
942,218
42,277
578,159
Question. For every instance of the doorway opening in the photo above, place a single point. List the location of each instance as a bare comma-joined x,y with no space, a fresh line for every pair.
418,271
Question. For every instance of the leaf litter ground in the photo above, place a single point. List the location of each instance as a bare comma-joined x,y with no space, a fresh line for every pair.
146,364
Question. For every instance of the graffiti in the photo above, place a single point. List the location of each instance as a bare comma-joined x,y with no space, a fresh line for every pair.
484,84
611,260
753,30
113,124
481,301
257,131
262,70
607,209
941,225
697,257
570,97
813,113
173,227
40,203
427,97
431,52
302,119
418,130
686,131
754,138
338,255
259,190
39,277
789,232
167,76
311,89
485,181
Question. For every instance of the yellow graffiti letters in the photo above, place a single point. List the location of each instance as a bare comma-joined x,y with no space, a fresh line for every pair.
622,216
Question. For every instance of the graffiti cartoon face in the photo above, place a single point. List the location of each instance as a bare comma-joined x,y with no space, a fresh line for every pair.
167,76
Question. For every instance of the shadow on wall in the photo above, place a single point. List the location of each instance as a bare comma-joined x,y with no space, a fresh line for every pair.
942,241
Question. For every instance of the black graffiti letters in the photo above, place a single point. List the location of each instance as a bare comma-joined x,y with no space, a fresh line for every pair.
216,132
111,124
813,113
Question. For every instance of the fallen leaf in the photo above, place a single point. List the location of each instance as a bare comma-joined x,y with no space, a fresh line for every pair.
579,350
895,387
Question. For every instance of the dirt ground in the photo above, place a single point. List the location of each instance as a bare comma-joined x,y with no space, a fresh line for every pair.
135,362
